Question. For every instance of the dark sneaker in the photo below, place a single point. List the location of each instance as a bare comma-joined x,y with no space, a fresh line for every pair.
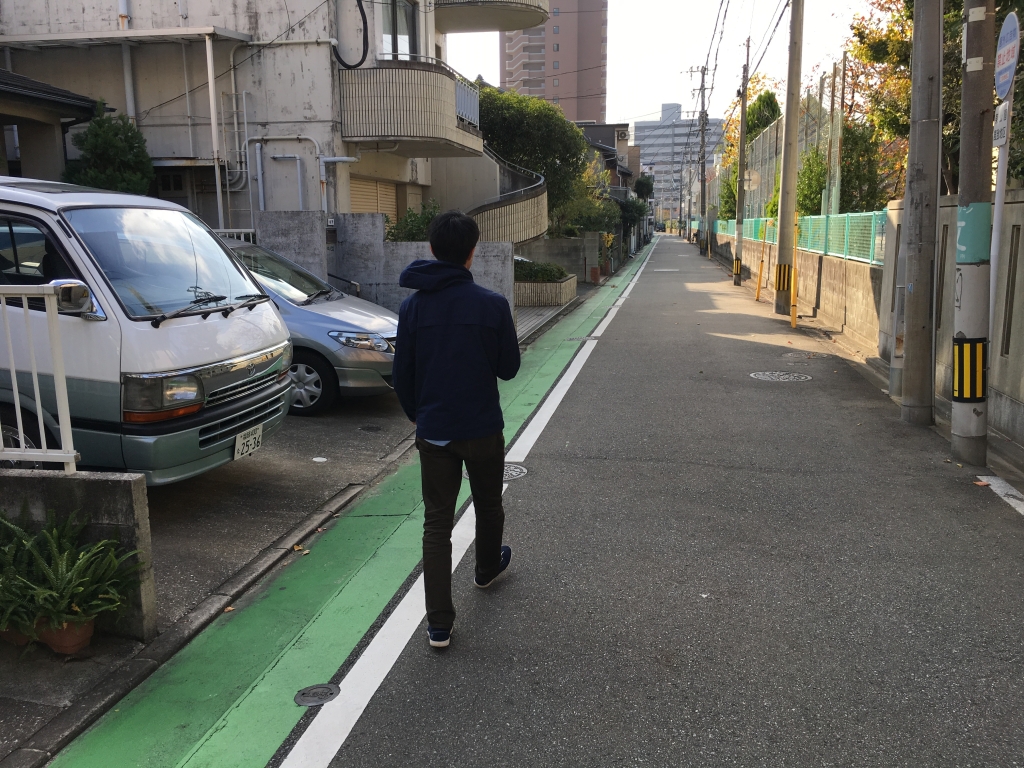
439,638
506,558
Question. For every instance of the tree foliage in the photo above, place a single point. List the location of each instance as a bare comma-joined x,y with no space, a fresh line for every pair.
534,134
411,226
762,112
114,155
757,85
862,186
644,187
810,182
587,208
727,193
633,212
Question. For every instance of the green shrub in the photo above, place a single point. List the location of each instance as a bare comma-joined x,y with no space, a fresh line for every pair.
113,157
411,227
534,272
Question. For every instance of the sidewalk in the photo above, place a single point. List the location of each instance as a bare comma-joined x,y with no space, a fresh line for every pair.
709,569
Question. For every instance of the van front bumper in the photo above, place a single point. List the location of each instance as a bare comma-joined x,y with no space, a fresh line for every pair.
166,452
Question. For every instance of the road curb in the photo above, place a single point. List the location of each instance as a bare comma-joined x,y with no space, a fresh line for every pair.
44,744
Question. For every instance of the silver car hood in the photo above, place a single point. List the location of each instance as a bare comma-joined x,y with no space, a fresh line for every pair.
357,312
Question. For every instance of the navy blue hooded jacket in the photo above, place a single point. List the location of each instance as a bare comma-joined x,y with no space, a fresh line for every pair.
455,340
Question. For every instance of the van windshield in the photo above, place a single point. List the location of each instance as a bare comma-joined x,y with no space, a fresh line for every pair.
159,261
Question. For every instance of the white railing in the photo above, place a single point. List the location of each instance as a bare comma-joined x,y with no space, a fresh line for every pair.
246,235
22,450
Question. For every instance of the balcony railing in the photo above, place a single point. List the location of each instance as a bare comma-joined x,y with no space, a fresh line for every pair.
419,105
520,213
489,15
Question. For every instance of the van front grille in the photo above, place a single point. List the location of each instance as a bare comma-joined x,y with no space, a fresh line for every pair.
226,429
241,389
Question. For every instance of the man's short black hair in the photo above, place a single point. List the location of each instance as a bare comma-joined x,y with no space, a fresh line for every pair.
453,235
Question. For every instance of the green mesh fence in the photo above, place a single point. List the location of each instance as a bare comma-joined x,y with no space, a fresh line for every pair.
859,236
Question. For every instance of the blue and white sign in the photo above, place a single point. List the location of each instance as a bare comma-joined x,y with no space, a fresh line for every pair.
1006,55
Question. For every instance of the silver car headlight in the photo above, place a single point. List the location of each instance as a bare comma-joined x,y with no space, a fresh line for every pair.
157,398
370,341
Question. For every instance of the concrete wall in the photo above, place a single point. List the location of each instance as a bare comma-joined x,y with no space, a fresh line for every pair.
113,506
298,235
576,254
463,183
362,255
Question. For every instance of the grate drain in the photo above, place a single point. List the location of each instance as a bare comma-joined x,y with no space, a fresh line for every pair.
315,695
583,338
779,376
512,472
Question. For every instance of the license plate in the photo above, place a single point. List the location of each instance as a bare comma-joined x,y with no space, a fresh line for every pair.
248,441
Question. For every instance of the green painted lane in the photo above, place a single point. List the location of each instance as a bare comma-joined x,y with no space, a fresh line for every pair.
226,698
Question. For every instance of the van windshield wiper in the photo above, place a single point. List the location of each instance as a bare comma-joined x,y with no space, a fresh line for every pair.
251,300
194,304
317,294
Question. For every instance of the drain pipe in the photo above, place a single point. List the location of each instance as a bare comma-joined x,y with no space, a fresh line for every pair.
298,173
10,68
124,24
323,175
259,177
183,22
211,79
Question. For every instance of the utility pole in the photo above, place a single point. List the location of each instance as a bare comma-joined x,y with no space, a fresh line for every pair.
920,217
741,174
702,124
973,224
786,258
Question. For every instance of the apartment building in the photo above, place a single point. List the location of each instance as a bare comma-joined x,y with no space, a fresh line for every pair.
670,147
564,61
346,106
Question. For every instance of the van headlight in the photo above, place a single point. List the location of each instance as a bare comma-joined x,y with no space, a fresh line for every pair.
158,398
370,341
286,362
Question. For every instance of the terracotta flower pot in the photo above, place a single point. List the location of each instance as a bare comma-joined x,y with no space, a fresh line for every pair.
14,637
71,638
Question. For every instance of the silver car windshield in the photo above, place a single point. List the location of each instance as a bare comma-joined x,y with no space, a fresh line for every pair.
159,261
280,275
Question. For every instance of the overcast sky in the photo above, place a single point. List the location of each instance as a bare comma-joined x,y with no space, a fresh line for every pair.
652,44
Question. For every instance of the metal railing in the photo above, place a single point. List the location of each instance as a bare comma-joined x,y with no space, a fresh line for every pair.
245,235
16,445
467,93
855,236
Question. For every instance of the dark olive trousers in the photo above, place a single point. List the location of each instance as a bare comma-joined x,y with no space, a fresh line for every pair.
441,470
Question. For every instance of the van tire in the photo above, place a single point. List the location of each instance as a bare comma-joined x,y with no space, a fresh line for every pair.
316,383
9,430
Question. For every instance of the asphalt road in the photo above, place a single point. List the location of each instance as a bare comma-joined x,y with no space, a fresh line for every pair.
714,570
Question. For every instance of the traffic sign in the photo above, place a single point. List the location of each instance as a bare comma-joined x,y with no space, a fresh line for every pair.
1006,55
751,179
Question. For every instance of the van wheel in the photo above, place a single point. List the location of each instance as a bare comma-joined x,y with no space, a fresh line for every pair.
316,384
9,435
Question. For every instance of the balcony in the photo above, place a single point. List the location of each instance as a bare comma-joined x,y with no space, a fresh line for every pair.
519,213
414,107
489,15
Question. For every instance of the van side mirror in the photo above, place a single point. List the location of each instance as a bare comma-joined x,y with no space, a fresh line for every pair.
75,298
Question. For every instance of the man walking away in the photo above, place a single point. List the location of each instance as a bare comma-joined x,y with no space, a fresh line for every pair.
455,340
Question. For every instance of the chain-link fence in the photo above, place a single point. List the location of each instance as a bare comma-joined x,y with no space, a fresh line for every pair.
857,236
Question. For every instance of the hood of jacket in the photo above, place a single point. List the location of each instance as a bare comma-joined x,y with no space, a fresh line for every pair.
430,275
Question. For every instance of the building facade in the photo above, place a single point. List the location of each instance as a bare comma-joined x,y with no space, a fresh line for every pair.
564,61
670,151
346,106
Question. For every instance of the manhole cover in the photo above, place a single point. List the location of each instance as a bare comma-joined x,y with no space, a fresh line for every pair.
316,695
808,355
512,472
780,376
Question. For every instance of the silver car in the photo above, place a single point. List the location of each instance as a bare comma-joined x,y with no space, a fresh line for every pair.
341,343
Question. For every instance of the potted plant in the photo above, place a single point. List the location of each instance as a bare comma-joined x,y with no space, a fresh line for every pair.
17,615
66,585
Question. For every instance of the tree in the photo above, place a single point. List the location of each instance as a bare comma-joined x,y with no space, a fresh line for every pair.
810,182
757,85
644,187
861,187
114,155
762,112
727,193
771,208
633,212
534,134
411,226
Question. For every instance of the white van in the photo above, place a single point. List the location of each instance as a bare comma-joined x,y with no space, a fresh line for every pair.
171,349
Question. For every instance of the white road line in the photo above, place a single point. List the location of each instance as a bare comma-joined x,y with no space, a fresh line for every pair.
664,270
606,322
324,737
1005,491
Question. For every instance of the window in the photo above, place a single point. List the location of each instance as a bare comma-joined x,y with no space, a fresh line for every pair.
400,29
29,256
554,30
555,82
555,12
555,65
555,47
171,182
1011,287
941,277
555,100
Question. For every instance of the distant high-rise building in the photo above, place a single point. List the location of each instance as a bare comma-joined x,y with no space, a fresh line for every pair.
565,61
671,145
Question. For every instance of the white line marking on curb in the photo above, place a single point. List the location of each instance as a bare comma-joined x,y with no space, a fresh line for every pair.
1005,491
325,736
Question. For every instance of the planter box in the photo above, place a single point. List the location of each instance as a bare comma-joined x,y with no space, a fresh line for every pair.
546,294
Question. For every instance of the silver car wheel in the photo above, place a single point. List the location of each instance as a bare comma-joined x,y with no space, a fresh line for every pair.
308,385
9,435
